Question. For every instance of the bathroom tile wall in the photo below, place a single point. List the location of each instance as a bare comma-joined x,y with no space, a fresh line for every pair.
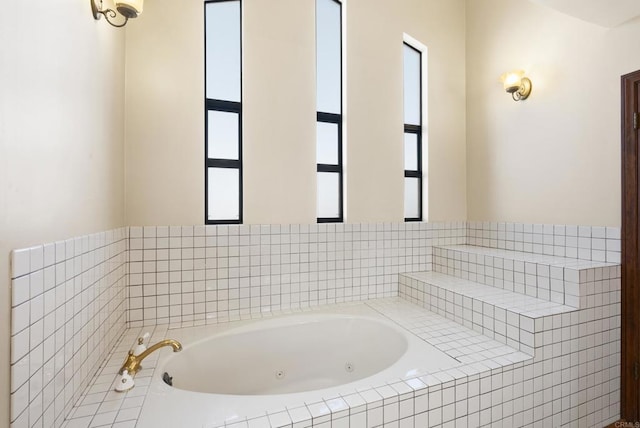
600,244
69,302
199,274
72,299
208,274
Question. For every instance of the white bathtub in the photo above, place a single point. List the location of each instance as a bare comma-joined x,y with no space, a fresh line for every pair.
226,373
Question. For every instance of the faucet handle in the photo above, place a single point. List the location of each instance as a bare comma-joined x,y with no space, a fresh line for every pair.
125,382
141,347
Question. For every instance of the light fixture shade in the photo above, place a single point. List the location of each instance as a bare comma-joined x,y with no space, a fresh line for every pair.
129,8
516,84
512,80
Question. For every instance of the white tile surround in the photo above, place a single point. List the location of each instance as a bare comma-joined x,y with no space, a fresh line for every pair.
182,276
68,309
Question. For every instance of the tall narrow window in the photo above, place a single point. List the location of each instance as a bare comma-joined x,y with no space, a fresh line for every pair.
412,134
329,110
223,109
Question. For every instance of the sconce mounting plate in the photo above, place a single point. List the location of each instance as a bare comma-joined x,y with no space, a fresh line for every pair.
524,91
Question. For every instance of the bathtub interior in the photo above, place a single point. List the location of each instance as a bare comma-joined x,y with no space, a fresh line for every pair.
305,356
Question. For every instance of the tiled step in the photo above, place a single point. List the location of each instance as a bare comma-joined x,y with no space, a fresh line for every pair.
503,315
556,279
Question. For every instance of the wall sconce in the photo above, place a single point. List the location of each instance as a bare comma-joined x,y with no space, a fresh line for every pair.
516,84
129,9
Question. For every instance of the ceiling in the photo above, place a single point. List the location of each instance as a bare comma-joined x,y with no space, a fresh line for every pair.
606,13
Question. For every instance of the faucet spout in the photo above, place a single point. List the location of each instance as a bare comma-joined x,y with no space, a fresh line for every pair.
133,362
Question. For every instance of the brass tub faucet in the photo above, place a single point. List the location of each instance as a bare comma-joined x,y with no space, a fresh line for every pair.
132,363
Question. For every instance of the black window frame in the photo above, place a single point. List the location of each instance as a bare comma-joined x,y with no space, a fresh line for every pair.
333,168
226,107
334,118
416,130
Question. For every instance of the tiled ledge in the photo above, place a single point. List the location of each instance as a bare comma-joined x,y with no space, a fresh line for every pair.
582,242
503,315
552,278
558,261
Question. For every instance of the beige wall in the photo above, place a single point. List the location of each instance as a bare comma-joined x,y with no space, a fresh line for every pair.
61,134
375,116
554,158
165,111
165,118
